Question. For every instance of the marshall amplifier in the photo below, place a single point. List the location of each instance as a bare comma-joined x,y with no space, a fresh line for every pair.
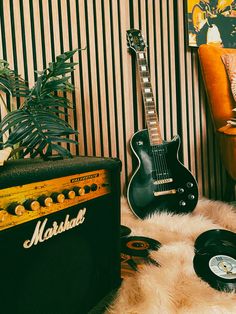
59,234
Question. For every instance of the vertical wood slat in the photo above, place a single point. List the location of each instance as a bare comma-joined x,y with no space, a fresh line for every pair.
109,81
107,98
25,16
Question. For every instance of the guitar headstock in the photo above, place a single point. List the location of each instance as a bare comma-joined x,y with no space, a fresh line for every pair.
135,40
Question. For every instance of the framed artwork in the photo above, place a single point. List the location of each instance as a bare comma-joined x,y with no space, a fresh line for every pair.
211,22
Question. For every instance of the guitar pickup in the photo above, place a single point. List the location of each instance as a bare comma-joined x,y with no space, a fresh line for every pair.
163,181
173,191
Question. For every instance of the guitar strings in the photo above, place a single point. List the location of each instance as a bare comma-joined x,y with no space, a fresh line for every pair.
159,160
155,161
160,166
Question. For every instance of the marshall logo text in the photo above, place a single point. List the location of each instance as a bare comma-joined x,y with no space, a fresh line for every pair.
42,234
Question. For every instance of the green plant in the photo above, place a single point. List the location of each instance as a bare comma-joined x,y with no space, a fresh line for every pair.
36,126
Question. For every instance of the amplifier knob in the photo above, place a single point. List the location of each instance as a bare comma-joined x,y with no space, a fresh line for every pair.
94,187
69,194
16,209
78,190
3,215
58,197
45,201
87,189
32,204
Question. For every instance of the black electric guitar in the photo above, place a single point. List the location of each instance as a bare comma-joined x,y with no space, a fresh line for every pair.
160,182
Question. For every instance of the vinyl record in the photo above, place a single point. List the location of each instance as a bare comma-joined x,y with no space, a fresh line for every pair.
217,267
124,231
215,238
138,246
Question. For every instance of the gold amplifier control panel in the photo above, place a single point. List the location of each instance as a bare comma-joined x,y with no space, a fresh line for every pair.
23,203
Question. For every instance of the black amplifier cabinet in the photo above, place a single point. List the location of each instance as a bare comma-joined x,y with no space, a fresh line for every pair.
59,234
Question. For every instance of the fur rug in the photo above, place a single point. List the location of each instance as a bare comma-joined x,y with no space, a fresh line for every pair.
174,287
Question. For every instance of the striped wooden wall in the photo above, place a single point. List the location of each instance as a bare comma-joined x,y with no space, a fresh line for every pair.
107,99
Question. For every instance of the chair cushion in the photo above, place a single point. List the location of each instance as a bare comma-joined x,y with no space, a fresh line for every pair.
229,60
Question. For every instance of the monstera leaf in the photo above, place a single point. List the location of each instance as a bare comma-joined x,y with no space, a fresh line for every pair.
38,132
36,126
11,83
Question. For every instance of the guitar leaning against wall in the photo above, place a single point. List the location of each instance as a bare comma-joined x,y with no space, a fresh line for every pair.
160,182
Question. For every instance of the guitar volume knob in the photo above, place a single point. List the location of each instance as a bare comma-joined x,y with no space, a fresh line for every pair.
182,203
191,197
189,184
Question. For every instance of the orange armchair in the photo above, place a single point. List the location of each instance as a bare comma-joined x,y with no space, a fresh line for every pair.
221,102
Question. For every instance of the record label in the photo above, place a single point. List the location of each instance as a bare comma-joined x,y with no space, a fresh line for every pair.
138,246
223,266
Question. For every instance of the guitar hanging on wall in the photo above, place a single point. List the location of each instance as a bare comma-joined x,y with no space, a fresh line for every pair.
160,182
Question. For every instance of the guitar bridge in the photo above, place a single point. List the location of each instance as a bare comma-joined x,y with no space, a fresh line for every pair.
163,181
173,191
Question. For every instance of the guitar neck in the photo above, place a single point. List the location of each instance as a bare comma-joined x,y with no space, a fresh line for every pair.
148,98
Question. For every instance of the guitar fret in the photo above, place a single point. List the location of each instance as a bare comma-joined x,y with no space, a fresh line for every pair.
148,95
149,103
144,73
151,118
150,107
146,84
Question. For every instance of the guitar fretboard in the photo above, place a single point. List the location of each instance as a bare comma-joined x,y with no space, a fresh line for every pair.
148,98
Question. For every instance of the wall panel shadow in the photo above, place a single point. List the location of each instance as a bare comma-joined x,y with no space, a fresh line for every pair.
107,100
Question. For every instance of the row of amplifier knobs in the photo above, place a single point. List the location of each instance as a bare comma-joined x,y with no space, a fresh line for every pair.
46,201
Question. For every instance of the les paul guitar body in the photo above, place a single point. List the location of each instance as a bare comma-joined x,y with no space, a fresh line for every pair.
160,182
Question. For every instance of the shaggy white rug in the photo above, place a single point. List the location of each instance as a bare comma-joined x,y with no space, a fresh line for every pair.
174,287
